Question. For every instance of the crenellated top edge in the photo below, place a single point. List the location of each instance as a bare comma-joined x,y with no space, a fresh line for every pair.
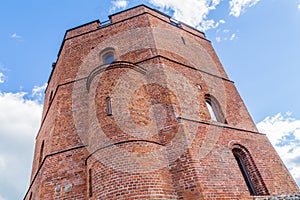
127,14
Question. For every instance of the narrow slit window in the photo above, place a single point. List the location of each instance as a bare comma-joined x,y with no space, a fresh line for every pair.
108,104
183,40
90,183
51,96
245,174
251,175
41,153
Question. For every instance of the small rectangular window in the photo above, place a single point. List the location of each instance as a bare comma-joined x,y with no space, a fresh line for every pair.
51,96
90,183
108,103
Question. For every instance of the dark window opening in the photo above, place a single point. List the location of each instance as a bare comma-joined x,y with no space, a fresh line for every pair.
41,153
183,40
108,104
251,175
51,96
245,174
90,183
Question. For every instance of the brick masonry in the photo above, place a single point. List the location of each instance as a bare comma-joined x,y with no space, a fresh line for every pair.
160,141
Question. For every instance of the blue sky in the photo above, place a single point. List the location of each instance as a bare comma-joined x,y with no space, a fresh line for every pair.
257,41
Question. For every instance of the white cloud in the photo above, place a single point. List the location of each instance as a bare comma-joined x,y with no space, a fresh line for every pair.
238,6
2,77
225,35
226,31
118,4
19,123
210,24
222,21
299,7
15,36
38,92
284,133
232,37
191,12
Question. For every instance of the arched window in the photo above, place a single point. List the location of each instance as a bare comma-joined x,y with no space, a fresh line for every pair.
249,171
108,58
211,111
107,55
214,109
41,153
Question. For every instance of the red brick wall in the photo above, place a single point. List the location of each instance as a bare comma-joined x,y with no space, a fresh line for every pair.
159,141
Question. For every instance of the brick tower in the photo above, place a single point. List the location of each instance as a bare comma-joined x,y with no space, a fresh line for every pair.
140,107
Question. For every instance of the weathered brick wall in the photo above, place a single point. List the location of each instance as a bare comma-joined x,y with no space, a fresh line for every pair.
160,141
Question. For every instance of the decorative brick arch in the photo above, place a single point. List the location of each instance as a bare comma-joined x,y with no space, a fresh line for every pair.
114,65
249,170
